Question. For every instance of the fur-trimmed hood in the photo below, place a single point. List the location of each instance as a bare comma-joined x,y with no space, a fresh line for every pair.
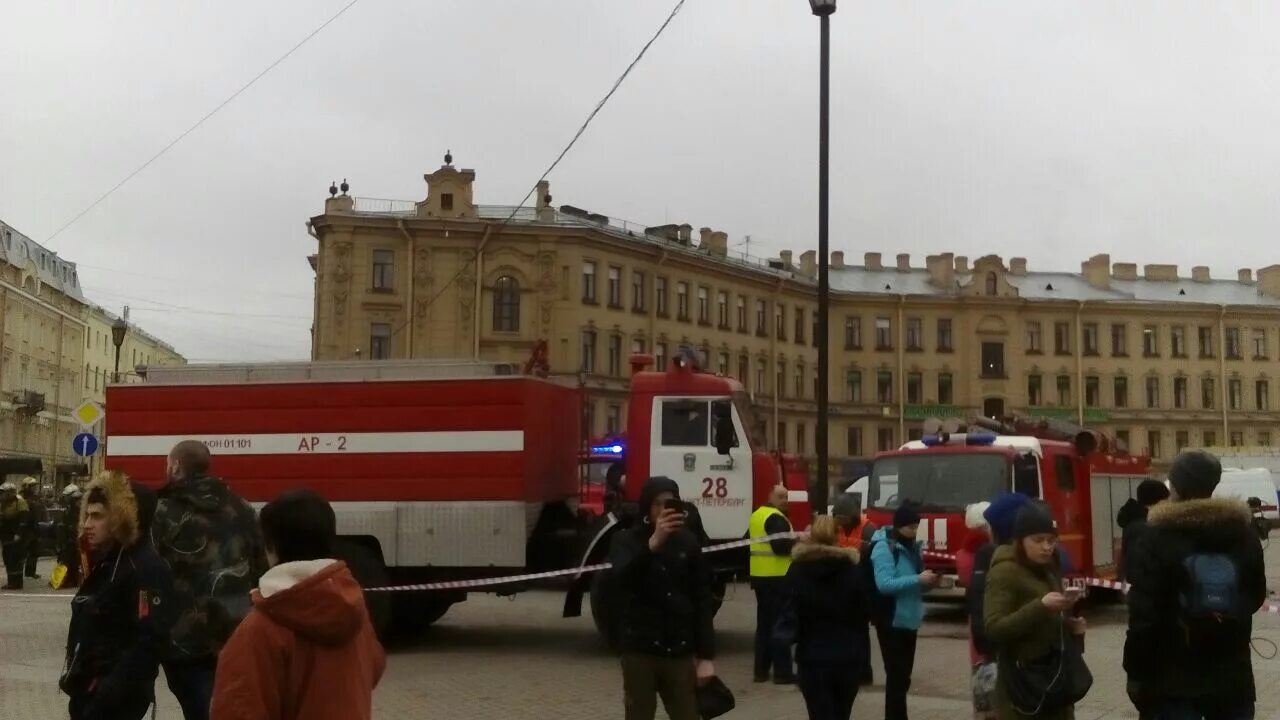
1198,514
812,552
122,506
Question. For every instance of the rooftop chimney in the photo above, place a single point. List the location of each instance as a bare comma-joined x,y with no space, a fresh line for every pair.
1160,273
1097,271
1200,273
717,244
942,270
546,213
1017,266
1269,281
872,261
686,233
962,264
1124,271
837,259
705,235
904,262
1245,275
809,263
785,257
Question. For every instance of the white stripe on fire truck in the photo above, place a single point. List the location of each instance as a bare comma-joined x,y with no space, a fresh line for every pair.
324,443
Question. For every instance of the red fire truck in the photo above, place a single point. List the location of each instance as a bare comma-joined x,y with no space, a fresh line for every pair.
442,471
1079,473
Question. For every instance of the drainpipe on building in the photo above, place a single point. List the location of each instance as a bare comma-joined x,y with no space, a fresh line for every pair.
1080,363
902,369
413,275
476,313
1222,373
57,405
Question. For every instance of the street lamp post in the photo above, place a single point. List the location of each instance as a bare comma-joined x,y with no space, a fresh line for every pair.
118,330
823,9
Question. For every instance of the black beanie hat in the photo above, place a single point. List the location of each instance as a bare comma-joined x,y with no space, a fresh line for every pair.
1194,474
654,487
1151,492
1033,520
906,515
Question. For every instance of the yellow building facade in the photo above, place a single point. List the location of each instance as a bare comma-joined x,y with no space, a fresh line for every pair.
1159,360
139,350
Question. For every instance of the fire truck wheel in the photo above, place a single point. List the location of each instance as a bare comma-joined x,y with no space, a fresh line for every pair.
602,612
369,571
413,613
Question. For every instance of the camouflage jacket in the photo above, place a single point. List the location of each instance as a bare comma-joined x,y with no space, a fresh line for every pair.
209,537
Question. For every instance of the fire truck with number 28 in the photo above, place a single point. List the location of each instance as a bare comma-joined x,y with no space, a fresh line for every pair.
454,470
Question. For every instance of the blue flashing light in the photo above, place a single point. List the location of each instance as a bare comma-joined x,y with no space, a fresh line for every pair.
980,439
606,449
931,440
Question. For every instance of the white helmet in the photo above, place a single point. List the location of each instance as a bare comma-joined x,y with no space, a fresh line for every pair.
72,490
28,482
7,486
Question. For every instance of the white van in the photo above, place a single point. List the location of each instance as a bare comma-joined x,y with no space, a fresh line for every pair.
1251,483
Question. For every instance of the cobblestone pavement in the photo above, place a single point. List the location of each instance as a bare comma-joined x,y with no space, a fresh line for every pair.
518,658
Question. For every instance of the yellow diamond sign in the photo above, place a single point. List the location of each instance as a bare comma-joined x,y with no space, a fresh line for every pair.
89,413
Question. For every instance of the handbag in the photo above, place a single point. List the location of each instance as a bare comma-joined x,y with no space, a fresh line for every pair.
715,699
1057,680
58,576
983,685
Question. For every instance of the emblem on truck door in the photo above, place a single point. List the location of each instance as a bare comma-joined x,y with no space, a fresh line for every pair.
689,461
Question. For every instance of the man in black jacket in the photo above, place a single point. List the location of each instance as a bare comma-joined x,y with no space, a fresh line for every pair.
120,617
1132,517
1197,578
665,601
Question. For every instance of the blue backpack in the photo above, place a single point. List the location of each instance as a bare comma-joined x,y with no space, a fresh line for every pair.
1212,592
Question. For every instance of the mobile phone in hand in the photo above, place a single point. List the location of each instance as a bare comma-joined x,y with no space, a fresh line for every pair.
1073,593
673,504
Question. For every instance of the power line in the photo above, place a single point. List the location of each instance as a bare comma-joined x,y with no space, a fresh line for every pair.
188,282
199,122
572,141
170,307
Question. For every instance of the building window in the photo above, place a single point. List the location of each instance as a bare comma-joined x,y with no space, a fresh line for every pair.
993,284
780,382
1035,394
1153,444
1122,391
884,334
801,444
762,315
884,439
615,286
852,333
506,304
799,380
762,372
1180,393
779,321
799,313
1181,440
660,295
588,281
722,364
1122,439
589,351
884,386
1178,341
853,386
1150,341
944,335
637,346
446,201
1264,438
853,440
993,360
682,301
1092,391
1234,393
946,393
1153,392
1210,438
781,436
915,388
615,355
384,263
637,290
1090,331
915,334
1034,341
1119,340
1062,338
1206,393
704,305
1205,335
744,370
612,419
1237,438
1233,349
380,341
1262,394
1064,391
742,314
1259,344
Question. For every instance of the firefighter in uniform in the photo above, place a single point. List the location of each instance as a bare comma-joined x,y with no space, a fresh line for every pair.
35,516
770,561
13,522
69,535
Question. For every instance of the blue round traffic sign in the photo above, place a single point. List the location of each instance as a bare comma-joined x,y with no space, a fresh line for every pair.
84,444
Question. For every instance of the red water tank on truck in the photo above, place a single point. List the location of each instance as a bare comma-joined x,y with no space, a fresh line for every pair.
1078,473
444,471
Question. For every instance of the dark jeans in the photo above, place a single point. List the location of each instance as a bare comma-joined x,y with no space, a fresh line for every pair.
130,710
14,554
33,557
865,676
899,650
191,681
771,598
646,677
829,689
1199,710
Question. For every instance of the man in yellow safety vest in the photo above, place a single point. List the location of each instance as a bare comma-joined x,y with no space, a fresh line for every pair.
770,560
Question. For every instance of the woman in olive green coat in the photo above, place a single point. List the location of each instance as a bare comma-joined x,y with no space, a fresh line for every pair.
1024,605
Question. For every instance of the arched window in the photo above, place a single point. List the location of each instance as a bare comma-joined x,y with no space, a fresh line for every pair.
506,304
992,284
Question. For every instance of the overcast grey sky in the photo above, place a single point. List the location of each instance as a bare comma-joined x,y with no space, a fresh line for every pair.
1147,129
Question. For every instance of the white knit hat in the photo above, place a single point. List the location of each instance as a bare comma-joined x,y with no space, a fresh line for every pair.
973,515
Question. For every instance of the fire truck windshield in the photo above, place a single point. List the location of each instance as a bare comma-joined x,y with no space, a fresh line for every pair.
938,482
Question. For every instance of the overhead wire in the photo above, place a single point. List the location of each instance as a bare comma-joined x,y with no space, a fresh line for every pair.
200,122
572,141
170,307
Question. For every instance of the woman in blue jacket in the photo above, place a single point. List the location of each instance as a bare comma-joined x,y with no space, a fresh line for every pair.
901,581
